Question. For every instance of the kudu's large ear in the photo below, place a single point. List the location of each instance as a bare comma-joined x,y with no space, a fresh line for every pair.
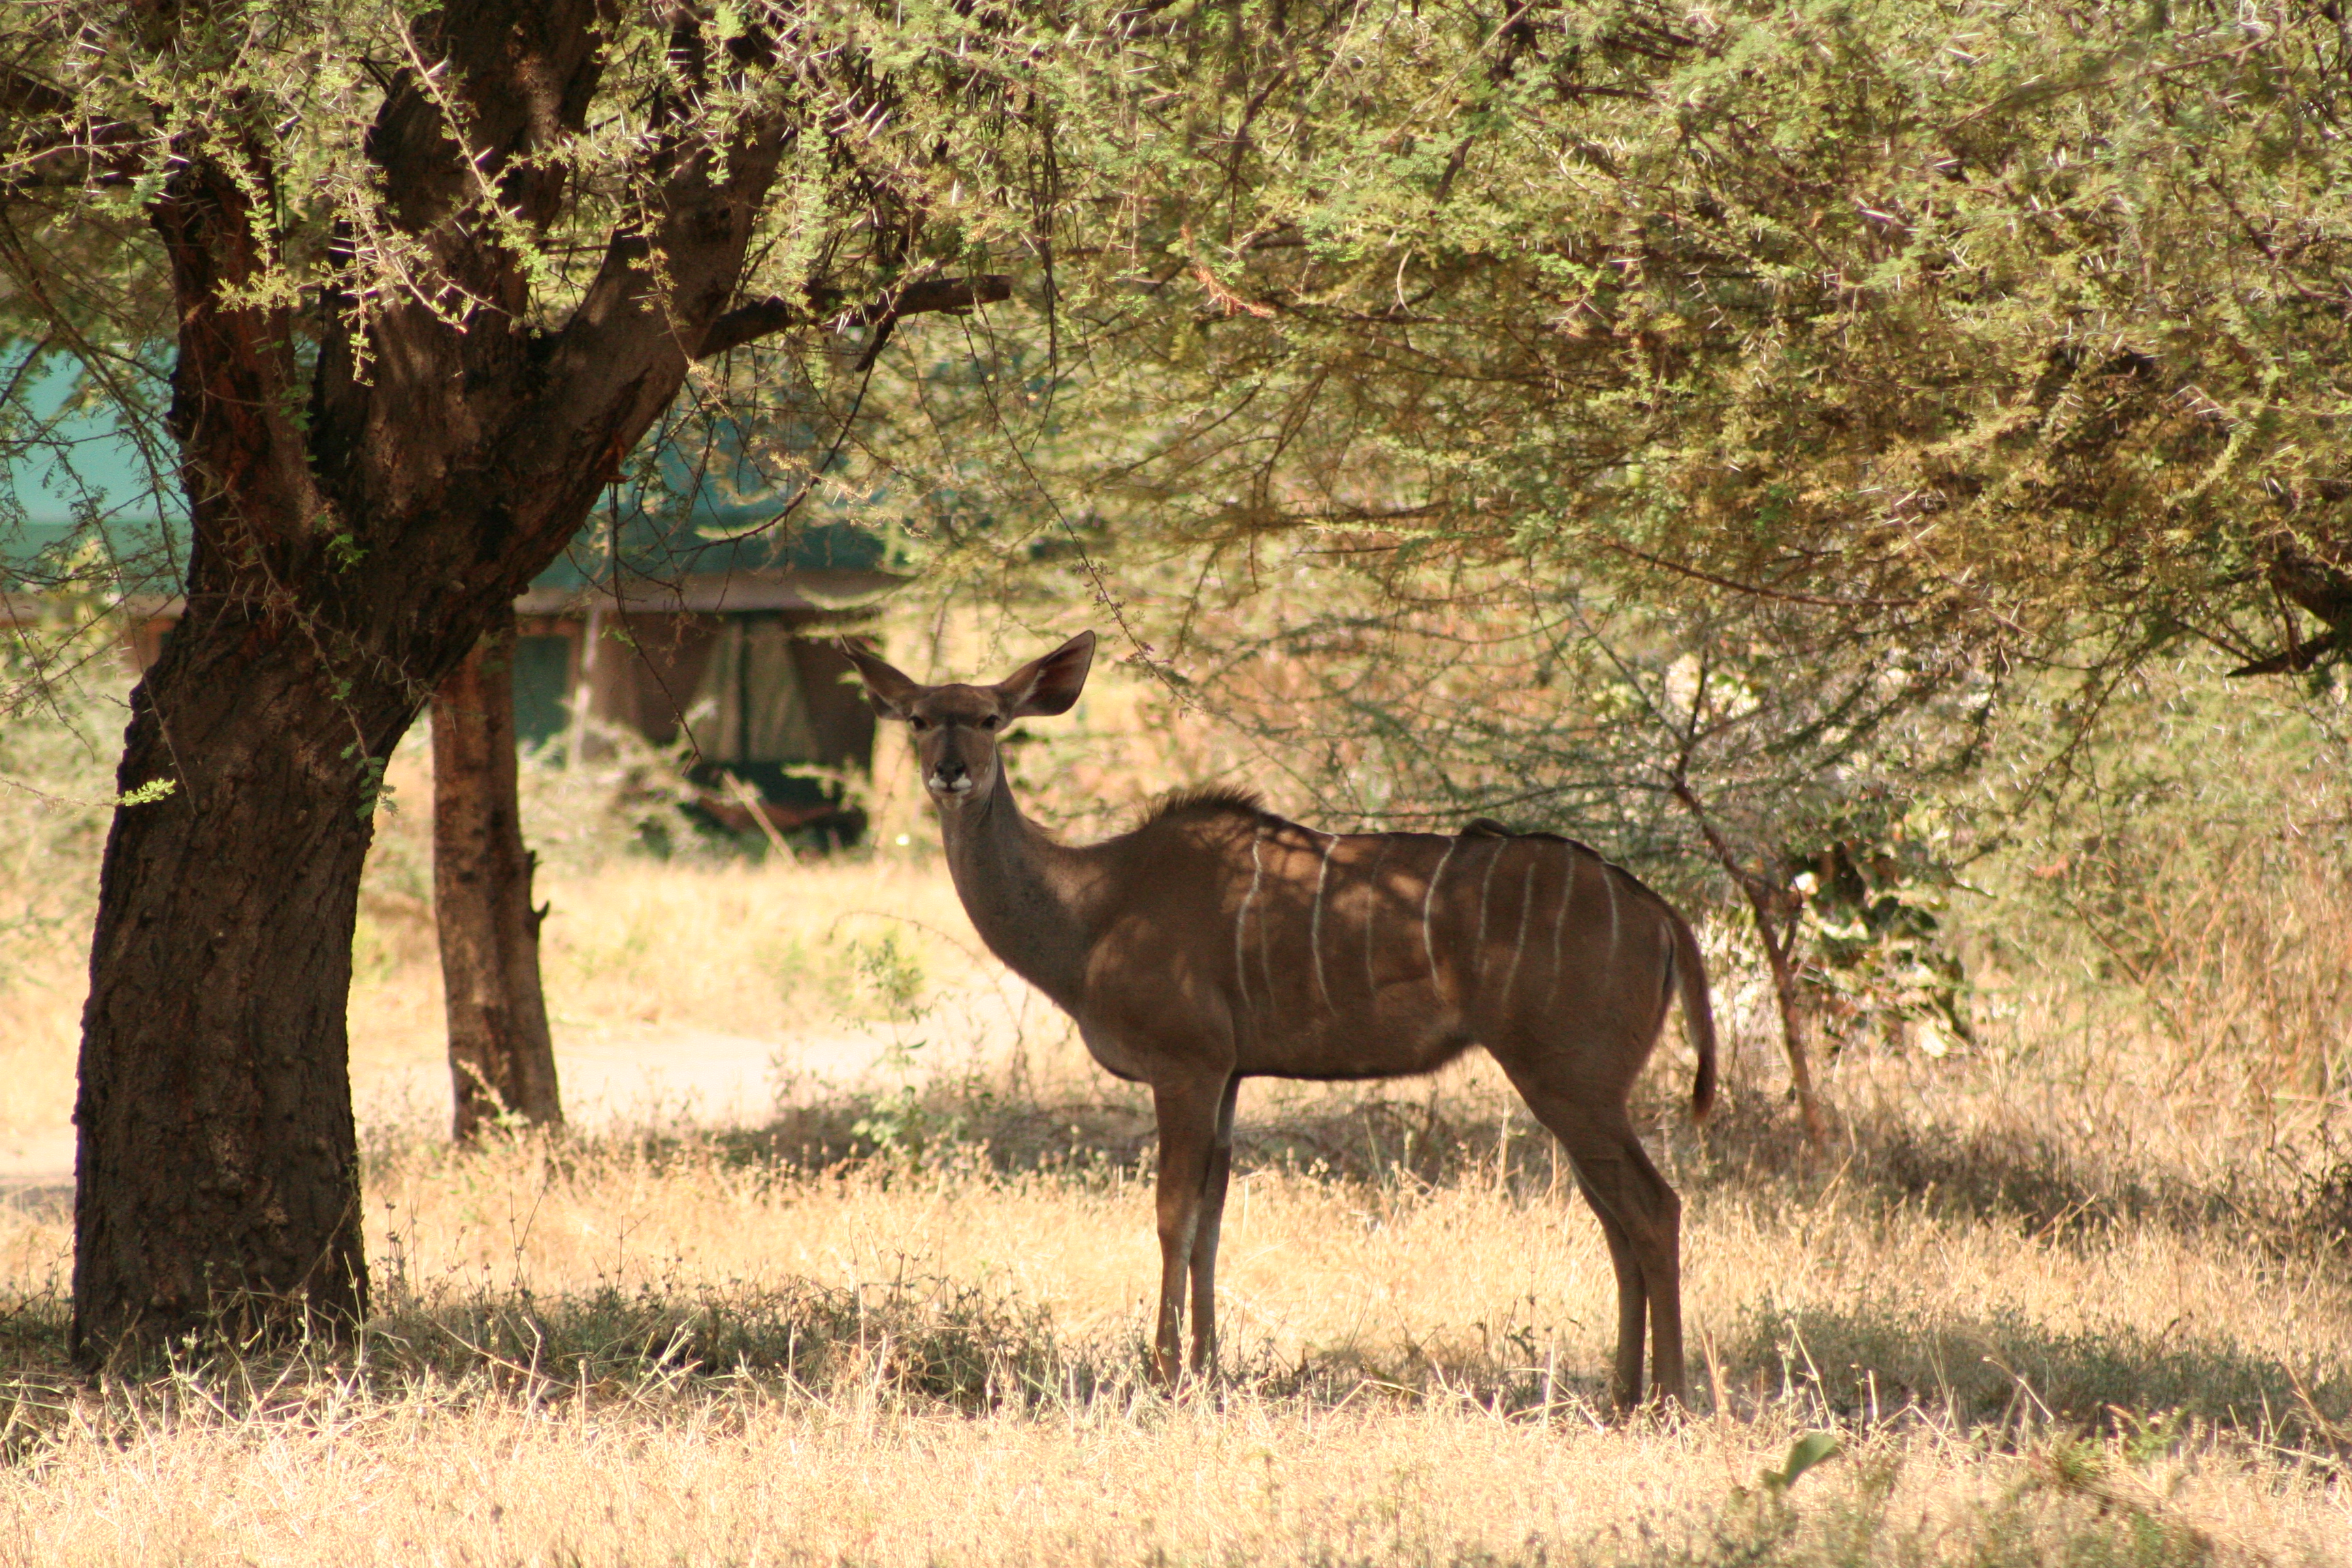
887,692
1049,685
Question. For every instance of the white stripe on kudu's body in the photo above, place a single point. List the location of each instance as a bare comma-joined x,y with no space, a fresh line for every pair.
1265,958
1428,900
1129,936
1372,921
1486,899
1314,923
1609,885
1519,942
1241,922
1558,924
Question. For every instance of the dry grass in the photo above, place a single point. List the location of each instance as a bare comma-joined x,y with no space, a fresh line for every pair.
2078,1294
693,1347
906,1326
751,1477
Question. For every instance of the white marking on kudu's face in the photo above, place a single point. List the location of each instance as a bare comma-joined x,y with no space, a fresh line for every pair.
954,729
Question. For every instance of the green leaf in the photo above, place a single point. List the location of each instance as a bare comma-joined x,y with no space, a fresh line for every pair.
1803,1454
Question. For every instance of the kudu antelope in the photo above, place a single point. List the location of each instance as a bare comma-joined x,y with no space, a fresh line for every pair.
1218,942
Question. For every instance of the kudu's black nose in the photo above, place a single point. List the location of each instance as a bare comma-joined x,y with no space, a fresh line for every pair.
948,773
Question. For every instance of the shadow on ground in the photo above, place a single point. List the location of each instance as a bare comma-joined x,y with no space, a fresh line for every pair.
2002,1369
947,1344
2290,1203
2281,1202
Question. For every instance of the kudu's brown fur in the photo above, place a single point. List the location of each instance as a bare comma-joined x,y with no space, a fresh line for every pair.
1218,942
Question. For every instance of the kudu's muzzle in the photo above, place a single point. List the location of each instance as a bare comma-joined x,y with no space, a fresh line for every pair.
950,776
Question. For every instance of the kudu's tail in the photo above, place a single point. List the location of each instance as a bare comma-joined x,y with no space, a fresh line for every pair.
1698,1012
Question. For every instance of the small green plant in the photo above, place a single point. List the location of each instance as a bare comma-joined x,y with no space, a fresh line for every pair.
1807,1451
1760,1525
895,1122
887,970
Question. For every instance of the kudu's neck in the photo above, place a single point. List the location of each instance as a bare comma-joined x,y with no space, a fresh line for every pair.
1026,895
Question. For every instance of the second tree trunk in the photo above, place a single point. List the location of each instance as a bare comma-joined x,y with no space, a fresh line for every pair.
501,1062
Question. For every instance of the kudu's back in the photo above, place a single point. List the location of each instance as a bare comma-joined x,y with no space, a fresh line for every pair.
1381,955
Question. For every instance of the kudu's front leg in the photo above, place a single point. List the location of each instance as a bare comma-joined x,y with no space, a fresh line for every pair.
1206,1231
1187,1110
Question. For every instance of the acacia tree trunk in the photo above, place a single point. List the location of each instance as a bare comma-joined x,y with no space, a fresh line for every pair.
356,524
1778,944
361,511
501,1060
218,1173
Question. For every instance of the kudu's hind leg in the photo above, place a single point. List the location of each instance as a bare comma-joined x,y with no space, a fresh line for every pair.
1617,1174
1632,1302
1187,1113
1206,1230
1642,1218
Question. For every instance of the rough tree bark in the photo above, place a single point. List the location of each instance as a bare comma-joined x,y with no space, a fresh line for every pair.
219,1178
501,1060
355,528
358,518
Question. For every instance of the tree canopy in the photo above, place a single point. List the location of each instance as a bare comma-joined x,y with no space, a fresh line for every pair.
1539,408
2027,320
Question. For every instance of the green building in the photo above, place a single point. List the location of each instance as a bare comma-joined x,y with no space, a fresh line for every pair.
700,601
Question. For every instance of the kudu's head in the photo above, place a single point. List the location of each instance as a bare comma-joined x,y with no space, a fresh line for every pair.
956,727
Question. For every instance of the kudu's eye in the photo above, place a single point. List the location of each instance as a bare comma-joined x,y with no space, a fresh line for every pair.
917,725
988,721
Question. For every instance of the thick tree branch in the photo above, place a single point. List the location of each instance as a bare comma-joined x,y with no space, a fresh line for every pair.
235,387
46,142
2325,591
1779,940
488,82
2295,659
776,313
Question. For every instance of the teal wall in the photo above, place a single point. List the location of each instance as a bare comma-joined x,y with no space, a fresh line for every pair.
81,501
542,669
